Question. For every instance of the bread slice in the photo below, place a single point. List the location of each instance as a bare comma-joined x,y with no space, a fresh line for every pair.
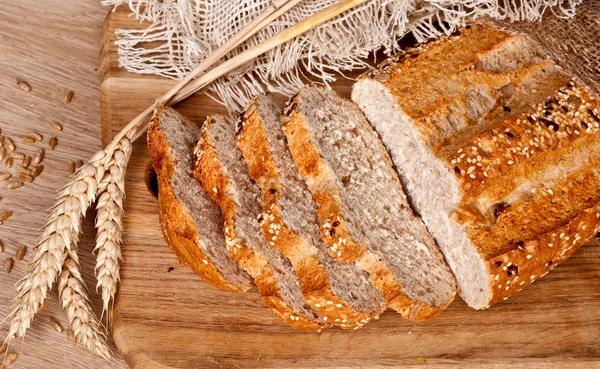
498,151
224,174
191,223
363,212
342,292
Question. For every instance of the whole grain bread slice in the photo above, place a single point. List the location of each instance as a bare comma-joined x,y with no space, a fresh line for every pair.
224,174
190,221
506,179
363,212
342,292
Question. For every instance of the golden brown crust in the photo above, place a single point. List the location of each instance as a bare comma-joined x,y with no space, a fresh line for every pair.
177,225
210,171
253,141
317,174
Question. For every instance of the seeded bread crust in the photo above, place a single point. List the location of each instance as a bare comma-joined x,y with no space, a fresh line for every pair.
177,225
255,145
211,172
526,164
335,228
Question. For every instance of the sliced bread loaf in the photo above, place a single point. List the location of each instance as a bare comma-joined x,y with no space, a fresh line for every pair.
498,150
363,212
224,174
190,221
342,292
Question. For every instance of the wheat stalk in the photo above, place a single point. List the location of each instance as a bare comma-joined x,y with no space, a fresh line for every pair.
104,177
109,220
60,234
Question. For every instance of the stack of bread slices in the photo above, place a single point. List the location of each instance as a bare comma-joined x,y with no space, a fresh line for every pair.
496,148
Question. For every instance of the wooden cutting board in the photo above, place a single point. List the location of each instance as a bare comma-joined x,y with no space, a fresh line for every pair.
166,317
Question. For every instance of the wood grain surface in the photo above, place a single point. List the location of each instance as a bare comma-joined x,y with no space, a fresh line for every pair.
53,46
166,317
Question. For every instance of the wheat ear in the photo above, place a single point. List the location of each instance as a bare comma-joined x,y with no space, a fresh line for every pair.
109,219
73,294
60,234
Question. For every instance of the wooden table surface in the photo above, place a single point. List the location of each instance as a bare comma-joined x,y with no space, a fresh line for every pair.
53,45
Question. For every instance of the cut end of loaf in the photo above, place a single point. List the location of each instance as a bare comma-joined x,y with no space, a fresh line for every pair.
432,190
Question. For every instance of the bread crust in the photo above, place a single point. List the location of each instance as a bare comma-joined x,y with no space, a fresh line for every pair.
342,245
211,172
177,225
252,139
513,206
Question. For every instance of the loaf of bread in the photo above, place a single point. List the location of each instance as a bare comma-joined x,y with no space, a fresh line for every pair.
340,292
498,150
224,175
190,221
363,213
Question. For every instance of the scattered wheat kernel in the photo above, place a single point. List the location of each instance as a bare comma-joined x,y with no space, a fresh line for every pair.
27,140
39,156
26,162
68,96
26,177
14,185
71,167
52,142
20,254
9,144
17,155
56,325
36,136
3,348
37,170
24,86
55,126
4,177
1,141
10,359
24,170
1,250
71,337
9,162
3,153
5,215
8,264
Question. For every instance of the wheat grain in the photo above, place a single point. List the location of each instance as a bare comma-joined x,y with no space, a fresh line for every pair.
9,144
37,170
20,254
38,157
71,337
5,177
73,295
5,215
9,162
10,359
8,264
17,155
26,162
56,325
24,86
27,140
52,142
26,177
109,221
3,348
2,141
1,250
36,136
68,96
14,185
71,167
3,153
55,126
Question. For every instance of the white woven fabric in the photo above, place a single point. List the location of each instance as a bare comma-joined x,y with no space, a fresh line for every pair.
189,30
